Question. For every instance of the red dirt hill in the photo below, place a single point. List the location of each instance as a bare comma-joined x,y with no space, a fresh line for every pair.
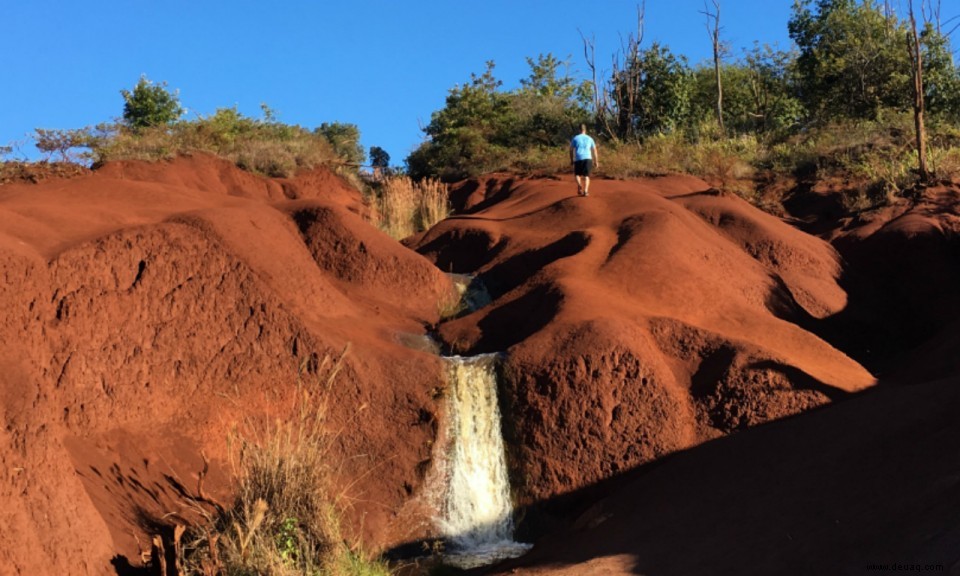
647,318
149,307
869,482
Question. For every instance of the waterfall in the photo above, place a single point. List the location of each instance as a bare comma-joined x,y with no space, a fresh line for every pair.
476,509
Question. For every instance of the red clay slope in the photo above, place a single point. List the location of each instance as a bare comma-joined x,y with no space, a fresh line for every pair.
150,307
870,485
647,318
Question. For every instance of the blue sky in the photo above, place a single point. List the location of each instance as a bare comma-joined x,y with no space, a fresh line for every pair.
384,65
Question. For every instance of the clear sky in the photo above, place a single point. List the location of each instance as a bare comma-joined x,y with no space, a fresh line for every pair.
384,65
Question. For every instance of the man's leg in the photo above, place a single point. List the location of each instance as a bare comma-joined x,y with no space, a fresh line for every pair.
586,185
579,185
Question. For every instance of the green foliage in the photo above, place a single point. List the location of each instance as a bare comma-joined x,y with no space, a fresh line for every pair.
772,80
940,77
149,105
652,93
482,129
852,62
345,139
151,130
379,158
757,93
544,81
287,539
548,107
464,134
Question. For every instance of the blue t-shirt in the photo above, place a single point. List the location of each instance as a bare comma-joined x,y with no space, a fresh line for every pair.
583,144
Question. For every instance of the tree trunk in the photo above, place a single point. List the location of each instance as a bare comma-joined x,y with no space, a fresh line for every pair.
916,61
714,31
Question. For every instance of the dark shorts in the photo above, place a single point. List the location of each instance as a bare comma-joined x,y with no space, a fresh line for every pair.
583,167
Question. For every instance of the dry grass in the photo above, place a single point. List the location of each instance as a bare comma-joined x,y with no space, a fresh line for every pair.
284,519
269,149
405,207
18,171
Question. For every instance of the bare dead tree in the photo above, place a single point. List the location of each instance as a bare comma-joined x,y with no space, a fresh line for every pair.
713,28
601,100
916,66
616,100
627,77
932,13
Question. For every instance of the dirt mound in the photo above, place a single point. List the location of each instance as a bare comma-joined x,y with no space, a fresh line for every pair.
647,318
903,277
861,486
866,484
150,307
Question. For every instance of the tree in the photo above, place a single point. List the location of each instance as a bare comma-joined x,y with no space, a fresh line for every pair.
464,137
916,66
941,78
345,139
613,100
150,104
772,86
379,157
548,106
380,162
718,49
545,80
851,62
652,93
482,128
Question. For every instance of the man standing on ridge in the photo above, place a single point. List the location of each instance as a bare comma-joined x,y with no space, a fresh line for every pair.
584,157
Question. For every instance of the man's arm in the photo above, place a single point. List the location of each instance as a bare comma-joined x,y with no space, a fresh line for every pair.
596,156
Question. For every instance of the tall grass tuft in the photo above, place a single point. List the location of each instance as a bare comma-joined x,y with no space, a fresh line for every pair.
405,207
284,519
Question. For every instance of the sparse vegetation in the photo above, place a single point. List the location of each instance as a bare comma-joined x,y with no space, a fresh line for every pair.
835,106
265,145
838,106
152,129
285,517
404,207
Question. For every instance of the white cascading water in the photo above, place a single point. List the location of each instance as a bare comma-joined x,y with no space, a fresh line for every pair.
477,514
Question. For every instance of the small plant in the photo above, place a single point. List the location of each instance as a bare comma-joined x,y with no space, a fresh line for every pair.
284,519
287,538
64,143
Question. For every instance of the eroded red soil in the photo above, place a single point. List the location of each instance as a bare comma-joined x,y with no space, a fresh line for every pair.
650,334
149,308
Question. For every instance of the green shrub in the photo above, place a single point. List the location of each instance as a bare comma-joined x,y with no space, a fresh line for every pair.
150,104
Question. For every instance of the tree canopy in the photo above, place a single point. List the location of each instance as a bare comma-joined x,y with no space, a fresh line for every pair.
150,104
481,128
